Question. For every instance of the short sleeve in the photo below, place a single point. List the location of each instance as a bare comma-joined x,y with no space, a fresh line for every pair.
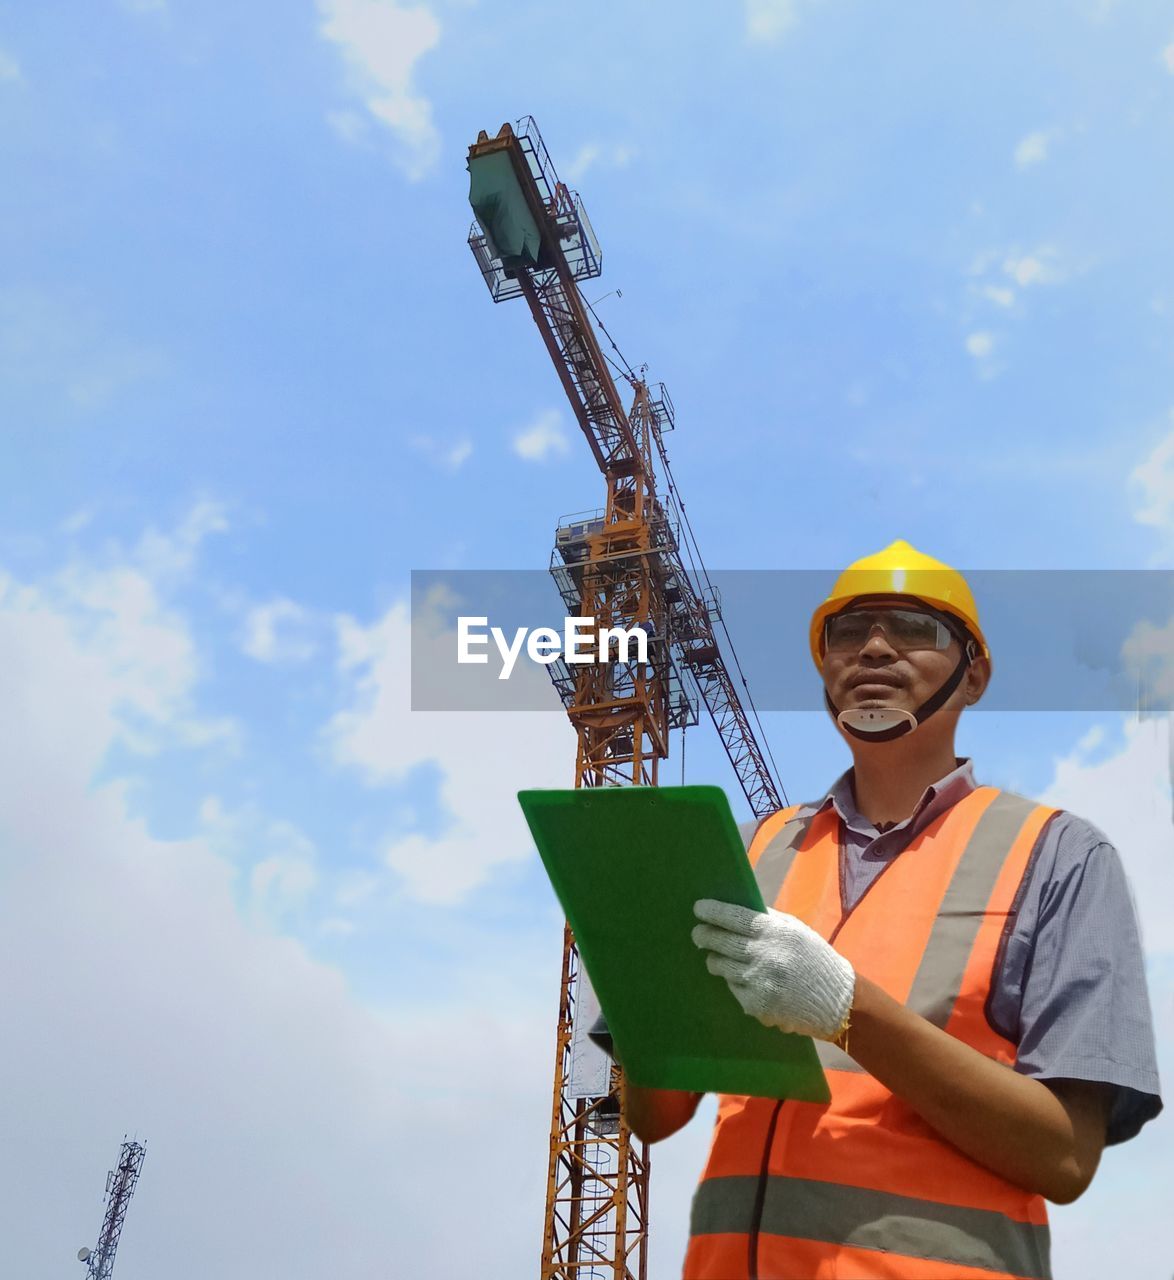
1075,955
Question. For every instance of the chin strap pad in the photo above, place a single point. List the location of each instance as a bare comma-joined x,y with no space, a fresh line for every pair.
908,722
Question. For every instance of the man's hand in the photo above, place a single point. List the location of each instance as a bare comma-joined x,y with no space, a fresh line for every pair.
780,970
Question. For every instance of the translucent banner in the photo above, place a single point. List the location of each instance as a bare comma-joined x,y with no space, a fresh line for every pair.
1060,640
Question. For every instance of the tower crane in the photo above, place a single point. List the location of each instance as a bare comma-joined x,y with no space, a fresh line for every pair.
120,1186
623,566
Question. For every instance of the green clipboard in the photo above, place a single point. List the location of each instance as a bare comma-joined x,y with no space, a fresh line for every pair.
627,864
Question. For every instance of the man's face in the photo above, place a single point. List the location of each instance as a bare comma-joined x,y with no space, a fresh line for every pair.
877,674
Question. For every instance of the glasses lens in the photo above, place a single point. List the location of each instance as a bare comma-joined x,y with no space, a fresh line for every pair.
911,630
903,628
846,631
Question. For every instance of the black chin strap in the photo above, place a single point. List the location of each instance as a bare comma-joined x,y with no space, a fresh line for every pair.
923,713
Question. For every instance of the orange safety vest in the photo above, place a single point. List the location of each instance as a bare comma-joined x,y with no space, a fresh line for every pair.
861,1188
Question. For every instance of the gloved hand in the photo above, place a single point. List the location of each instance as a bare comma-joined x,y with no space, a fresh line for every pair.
779,969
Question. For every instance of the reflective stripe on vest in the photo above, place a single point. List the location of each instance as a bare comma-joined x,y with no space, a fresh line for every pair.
862,1218
864,1177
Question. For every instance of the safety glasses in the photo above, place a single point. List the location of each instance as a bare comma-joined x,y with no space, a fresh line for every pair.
904,629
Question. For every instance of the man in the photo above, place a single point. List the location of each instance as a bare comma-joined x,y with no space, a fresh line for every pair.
968,962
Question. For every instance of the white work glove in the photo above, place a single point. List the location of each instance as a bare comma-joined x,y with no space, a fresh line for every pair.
779,969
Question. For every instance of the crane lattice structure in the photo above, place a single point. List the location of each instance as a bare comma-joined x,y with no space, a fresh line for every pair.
120,1186
622,566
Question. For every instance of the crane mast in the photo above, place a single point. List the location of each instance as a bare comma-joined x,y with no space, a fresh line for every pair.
120,1186
621,566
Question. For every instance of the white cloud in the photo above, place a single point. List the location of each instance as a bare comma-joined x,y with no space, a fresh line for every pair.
97,657
1129,797
583,159
76,521
1149,649
485,757
615,156
1031,150
349,125
1155,479
247,834
1149,652
337,927
991,270
138,655
1091,740
291,1129
355,888
118,641
1168,57
768,20
281,884
280,859
213,814
1024,270
95,386
171,555
217,731
10,72
542,439
278,632
146,1004
1040,267
382,42
60,347
459,453
1102,10
448,457
1002,297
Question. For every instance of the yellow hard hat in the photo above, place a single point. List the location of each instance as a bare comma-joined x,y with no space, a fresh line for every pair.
900,570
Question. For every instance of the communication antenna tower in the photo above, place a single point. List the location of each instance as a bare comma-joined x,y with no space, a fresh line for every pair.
120,1186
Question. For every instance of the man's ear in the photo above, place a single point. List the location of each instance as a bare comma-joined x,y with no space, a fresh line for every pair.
978,676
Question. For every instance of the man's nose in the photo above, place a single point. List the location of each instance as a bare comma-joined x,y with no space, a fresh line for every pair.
877,645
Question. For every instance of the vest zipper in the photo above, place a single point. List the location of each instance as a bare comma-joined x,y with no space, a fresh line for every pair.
760,1197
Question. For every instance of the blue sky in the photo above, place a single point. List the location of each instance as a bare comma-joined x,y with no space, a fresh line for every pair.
905,272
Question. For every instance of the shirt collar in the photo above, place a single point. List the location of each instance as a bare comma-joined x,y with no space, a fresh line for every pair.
935,799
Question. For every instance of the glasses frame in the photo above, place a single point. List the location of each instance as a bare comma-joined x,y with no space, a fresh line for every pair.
945,633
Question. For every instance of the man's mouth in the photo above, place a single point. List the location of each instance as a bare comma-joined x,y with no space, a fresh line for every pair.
875,680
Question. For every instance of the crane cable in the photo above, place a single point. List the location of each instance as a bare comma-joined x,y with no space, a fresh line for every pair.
721,619
679,504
